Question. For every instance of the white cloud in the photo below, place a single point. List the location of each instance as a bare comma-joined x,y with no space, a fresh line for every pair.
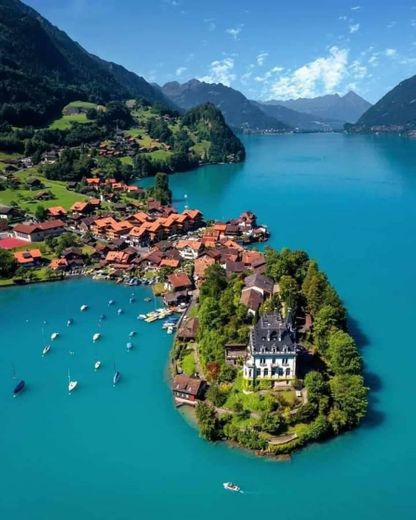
356,8
321,76
354,28
342,18
181,70
220,71
261,58
235,31
390,52
211,25
269,74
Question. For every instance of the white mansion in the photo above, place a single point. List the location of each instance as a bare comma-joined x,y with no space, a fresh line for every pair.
271,349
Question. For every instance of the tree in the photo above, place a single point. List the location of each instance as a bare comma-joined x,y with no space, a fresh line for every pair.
350,397
215,395
7,263
271,422
215,282
326,318
208,421
160,190
316,386
343,355
41,213
289,292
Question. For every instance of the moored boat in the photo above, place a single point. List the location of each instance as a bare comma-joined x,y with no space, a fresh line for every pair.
71,384
46,349
132,333
83,307
116,377
111,302
54,335
141,317
18,388
96,337
69,322
130,345
119,311
97,365
102,317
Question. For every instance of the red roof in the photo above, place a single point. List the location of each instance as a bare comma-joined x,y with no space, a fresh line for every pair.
10,243
178,280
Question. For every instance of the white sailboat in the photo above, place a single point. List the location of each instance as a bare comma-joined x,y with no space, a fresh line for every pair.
46,349
83,307
71,384
97,365
54,335
96,337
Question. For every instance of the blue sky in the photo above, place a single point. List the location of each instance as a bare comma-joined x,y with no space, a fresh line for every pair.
265,48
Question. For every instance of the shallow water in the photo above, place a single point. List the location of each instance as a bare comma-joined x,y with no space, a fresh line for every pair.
125,452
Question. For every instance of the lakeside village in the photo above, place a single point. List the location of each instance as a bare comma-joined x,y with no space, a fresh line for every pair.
261,350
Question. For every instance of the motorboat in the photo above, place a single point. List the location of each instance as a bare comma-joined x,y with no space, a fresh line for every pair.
132,334
96,337
97,365
111,302
231,487
18,388
147,300
132,299
130,345
119,311
83,307
141,317
54,335
69,322
46,349
170,330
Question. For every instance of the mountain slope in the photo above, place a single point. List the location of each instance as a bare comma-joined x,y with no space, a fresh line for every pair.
300,120
42,69
396,108
348,108
238,111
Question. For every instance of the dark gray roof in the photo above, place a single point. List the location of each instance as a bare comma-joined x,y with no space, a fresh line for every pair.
272,334
260,281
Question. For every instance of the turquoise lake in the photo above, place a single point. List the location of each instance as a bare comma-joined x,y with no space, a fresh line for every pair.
126,453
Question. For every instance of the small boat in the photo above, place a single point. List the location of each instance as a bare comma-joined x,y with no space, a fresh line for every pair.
141,317
132,299
69,322
83,308
45,350
18,388
116,377
132,334
170,330
96,337
103,317
119,311
147,300
54,335
231,487
71,384
129,346
111,302
97,365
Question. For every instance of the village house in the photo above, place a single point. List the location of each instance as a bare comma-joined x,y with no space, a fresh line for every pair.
261,283
178,282
188,330
235,353
81,208
188,390
31,258
38,232
271,352
58,264
201,264
189,249
56,212
252,299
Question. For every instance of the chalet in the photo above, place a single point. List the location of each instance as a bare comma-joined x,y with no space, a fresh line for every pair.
201,264
260,283
176,298
50,157
152,259
172,263
72,185
8,212
188,330
235,353
32,258
43,195
34,184
81,208
252,299
119,259
56,211
253,259
38,232
101,225
58,264
232,267
271,352
94,182
178,282
119,229
189,249
187,389
74,257
94,203
195,215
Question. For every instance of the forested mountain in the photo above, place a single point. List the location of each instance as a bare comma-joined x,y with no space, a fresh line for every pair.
348,108
238,111
42,69
300,120
395,111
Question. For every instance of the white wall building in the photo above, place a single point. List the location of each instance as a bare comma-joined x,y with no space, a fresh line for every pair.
271,349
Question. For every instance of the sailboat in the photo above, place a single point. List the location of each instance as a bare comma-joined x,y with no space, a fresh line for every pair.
119,311
116,376
96,337
54,335
97,365
18,388
46,349
83,307
71,384
132,333
111,302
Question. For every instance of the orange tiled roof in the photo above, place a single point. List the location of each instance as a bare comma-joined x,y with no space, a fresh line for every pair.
105,222
56,211
170,262
193,244
193,213
79,206
56,263
27,257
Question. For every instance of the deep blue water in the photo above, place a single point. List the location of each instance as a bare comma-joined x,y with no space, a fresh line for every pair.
125,452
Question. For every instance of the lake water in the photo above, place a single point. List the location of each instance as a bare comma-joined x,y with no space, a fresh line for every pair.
126,453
